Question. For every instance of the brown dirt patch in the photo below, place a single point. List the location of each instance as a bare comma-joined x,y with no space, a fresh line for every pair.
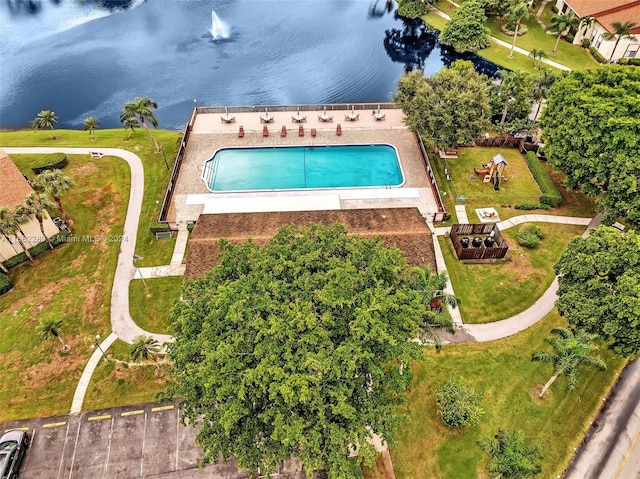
87,169
38,375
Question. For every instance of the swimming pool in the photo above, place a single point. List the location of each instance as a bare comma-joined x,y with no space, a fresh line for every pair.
303,167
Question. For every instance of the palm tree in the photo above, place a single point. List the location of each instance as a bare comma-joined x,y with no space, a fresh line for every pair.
142,109
6,228
10,227
623,30
537,55
49,328
517,13
561,23
55,183
145,348
586,22
571,348
90,124
541,85
512,82
23,216
130,124
509,457
45,119
38,204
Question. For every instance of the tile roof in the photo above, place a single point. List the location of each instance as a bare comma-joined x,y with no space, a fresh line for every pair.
404,228
13,186
608,11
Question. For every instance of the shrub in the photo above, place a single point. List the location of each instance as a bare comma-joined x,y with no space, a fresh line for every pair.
635,62
586,43
596,54
5,283
569,37
35,250
623,61
554,9
550,194
55,161
531,206
404,379
459,403
529,236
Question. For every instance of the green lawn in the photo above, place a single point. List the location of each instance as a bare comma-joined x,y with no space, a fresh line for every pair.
151,311
507,378
494,291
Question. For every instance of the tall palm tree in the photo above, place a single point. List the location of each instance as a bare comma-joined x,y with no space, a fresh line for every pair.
49,328
571,348
22,216
586,22
130,124
537,54
45,119
55,184
622,30
6,228
142,109
144,348
541,85
38,204
517,13
10,227
561,23
512,82
90,124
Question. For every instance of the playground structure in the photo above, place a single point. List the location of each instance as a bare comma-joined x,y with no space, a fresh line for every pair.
493,171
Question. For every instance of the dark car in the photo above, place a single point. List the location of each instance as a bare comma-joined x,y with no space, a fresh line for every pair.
13,446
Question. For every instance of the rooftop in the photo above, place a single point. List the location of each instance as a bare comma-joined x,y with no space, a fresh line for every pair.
13,186
608,11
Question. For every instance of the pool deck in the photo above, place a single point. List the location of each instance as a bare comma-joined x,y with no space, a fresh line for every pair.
191,197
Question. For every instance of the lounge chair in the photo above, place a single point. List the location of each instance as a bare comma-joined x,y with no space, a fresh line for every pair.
265,131
283,131
313,132
339,129
241,132
300,130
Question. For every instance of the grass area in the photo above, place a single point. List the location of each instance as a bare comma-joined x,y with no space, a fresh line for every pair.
74,281
152,311
116,384
494,291
507,378
547,13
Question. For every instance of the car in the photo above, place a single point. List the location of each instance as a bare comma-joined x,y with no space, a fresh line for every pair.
13,446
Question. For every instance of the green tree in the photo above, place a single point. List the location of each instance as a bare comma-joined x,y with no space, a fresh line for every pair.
130,125
54,183
591,131
571,348
413,8
90,124
46,119
38,204
510,457
142,109
513,96
516,14
49,328
622,30
10,226
598,287
541,85
537,54
449,108
466,32
560,24
285,350
586,22
145,348
459,403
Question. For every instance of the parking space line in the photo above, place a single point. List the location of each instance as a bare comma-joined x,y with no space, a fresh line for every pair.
132,413
75,448
17,429
162,408
99,418
144,436
53,424
106,464
64,448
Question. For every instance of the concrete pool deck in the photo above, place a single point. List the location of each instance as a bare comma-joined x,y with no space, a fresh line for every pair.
191,198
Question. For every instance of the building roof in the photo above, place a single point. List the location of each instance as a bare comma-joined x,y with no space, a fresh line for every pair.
13,186
608,11
404,228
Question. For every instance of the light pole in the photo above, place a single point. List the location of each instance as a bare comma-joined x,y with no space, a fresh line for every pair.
137,258
97,345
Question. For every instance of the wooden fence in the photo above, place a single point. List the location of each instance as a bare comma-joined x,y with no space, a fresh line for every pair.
498,250
441,213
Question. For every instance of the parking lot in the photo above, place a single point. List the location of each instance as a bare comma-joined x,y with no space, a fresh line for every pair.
142,441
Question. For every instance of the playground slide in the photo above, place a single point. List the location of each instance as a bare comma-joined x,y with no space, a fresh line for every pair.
481,171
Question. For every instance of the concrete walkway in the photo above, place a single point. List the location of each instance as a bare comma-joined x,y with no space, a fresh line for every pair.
517,49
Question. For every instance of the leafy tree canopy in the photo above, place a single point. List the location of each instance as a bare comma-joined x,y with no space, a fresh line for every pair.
450,108
600,285
413,8
460,404
466,32
592,133
286,349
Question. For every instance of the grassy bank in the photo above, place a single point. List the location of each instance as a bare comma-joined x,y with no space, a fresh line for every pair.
151,310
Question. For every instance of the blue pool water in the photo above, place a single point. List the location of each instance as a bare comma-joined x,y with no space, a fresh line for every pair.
286,168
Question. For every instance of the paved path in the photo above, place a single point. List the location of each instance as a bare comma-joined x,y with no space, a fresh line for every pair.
517,49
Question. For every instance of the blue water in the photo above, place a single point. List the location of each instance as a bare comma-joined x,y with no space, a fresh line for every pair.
84,58
285,168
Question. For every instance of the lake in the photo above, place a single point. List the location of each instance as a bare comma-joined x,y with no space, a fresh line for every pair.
84,58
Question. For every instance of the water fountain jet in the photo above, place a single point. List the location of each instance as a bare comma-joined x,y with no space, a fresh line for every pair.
219,29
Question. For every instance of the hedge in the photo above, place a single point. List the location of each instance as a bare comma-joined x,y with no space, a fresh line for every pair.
596,54
531,206
550,194
35,250
54,161
5,283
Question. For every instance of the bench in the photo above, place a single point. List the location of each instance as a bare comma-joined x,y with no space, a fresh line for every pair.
96,154
164,235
